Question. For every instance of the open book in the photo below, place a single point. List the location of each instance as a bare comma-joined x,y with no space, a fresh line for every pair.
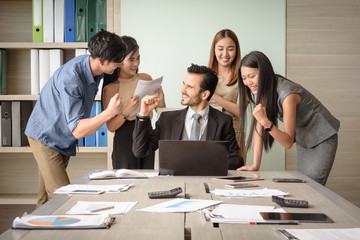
121,173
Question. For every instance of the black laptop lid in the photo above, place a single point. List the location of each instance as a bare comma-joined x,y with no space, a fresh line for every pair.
193,158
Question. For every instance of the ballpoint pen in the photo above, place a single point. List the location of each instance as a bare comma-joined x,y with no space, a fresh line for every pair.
102,209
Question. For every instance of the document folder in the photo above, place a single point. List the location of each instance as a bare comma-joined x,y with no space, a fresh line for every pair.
101,134
15,124
90,140
6,123
69,20
48,20
101,19
80,21
26,108
37,23
3,72
92,19
59,20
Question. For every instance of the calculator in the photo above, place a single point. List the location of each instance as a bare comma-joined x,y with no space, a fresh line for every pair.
290,202
165,194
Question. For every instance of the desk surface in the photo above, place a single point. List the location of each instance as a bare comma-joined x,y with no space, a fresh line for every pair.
145,225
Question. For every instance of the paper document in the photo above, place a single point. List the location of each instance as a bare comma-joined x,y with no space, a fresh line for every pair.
85,207
121,173
144,88
320,234
180,205
62,221
107,188
248,193
234,213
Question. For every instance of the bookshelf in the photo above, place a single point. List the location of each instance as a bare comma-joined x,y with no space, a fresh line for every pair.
18,168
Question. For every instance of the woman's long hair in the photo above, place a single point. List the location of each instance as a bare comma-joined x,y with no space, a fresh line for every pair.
132,47
266,95
213,63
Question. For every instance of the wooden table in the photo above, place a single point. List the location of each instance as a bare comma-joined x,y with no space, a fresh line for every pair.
146,225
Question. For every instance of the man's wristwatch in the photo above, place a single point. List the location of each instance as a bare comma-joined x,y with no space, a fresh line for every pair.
142,117
269,129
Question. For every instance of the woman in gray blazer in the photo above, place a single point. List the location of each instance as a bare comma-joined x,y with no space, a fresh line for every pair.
306,121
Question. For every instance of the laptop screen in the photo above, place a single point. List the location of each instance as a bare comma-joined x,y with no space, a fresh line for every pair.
193,158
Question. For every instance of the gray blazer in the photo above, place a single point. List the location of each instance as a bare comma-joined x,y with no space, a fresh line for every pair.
314,123
170,126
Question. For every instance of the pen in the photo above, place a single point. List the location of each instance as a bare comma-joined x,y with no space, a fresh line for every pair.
256,176
102,209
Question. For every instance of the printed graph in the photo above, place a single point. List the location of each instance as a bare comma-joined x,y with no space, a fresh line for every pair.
54,221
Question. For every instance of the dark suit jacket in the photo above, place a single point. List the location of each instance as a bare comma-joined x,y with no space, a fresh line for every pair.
170,126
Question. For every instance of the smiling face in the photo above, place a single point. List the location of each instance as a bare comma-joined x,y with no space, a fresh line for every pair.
190,91
225,52
129,66
250,78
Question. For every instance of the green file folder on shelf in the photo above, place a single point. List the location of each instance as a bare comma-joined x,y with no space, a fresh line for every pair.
96,18
3,71
80,20
37,22
101,18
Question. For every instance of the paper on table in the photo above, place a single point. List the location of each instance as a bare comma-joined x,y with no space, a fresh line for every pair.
144,88
248,193
86,207
121,173
319,234
107,188
234,213
180,205
62,221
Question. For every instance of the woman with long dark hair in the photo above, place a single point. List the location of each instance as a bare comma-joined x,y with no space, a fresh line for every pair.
124,81
305,119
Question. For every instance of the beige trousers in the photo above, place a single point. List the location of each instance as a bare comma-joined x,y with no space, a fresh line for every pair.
51,170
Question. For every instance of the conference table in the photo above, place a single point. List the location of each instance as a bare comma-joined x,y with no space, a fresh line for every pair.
193,226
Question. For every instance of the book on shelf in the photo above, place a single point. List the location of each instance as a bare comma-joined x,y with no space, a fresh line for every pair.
80,20
48,20
3,72
37,20
59,20
113,174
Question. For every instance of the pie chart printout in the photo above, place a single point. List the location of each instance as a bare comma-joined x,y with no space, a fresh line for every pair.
54,221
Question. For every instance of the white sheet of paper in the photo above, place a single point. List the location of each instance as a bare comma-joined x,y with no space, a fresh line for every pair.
85,207
328,233
248,193
144,88
107,188
243,212
180,205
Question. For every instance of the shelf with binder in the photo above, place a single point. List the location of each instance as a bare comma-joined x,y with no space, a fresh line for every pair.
30,45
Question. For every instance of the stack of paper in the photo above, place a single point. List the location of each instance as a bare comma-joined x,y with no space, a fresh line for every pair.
248,193
233,213
319,234
85,207
180,205
62,221
107,188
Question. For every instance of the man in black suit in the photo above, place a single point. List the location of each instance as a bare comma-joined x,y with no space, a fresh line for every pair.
198,87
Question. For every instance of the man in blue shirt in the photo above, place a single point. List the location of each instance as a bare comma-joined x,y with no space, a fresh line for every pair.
61,114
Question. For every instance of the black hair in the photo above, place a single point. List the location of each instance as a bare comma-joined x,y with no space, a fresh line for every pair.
266,94
209,81
107,47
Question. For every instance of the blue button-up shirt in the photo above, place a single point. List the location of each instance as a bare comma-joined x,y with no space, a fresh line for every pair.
64,100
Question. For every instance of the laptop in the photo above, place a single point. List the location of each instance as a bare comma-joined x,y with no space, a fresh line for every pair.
193,158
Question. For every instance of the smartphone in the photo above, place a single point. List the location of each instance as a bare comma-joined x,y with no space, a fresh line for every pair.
240,185
289,180
87,192
237,179
301,217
